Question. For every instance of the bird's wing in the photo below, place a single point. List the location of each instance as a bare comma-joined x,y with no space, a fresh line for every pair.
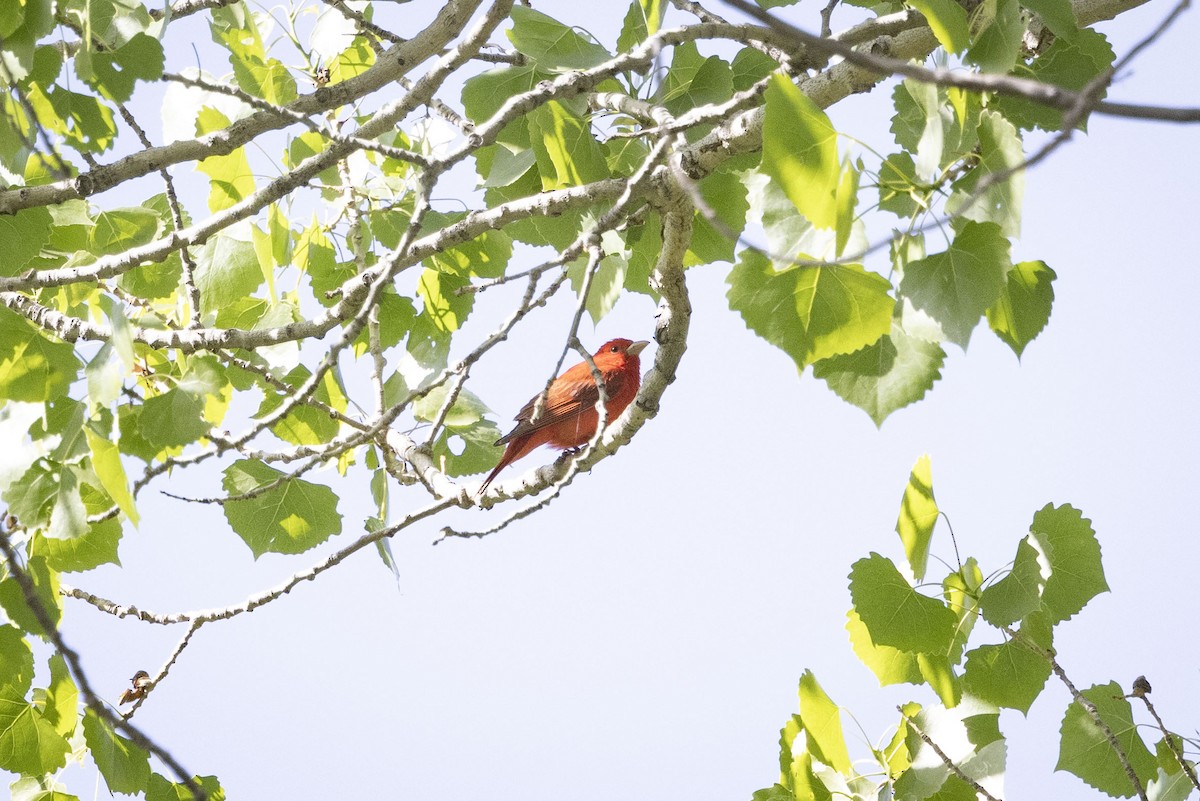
569,396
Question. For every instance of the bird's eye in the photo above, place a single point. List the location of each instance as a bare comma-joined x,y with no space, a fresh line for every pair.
614,349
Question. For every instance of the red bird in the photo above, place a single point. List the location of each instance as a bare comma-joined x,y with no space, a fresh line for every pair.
569,417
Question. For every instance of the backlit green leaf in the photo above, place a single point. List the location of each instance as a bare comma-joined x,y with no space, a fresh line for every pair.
113,72
106,461
996,35
811,313
62,698
890,665
885,376
800,151
289,518
1065,538
234,27
32,367
1017,594
1009,675
1084,749
1066,63
894,613
45,588
1023,308
1000,151
823,721
550,44
956,287
918,514
226,271
566,151
947,20
1057,15
28,742
16,662
22,236
124,764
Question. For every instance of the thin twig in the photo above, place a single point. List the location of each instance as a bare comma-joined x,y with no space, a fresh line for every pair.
74,663
946,760
1088,706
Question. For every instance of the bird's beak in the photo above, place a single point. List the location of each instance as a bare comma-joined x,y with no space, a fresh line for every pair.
637,347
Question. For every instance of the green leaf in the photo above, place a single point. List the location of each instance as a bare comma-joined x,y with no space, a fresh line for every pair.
800,151
234,27
1169,787
1017,594
124,764
1057,15
918,514
567,153
68,518
226,271
1010,675
643,20
775,793
847,198
1067,540
300,149
32,367
900,191
445,310
16,662
162,789
28,742
999,151
1023,308
467,449
725,194
550,44
484,94
230,178
106,462
17,53
173,419
62,698
823,722
939,675
811,313
45,587
750,66
113,72
894,613
890,665
694,81
606,285
789,234
22,236
96,547
1070,64
1085,751
885,376
305,425
485,256
939,125
290,518
31,497
947,20
956,287
997,29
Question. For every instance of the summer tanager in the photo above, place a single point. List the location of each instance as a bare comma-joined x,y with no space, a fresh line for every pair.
569,418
